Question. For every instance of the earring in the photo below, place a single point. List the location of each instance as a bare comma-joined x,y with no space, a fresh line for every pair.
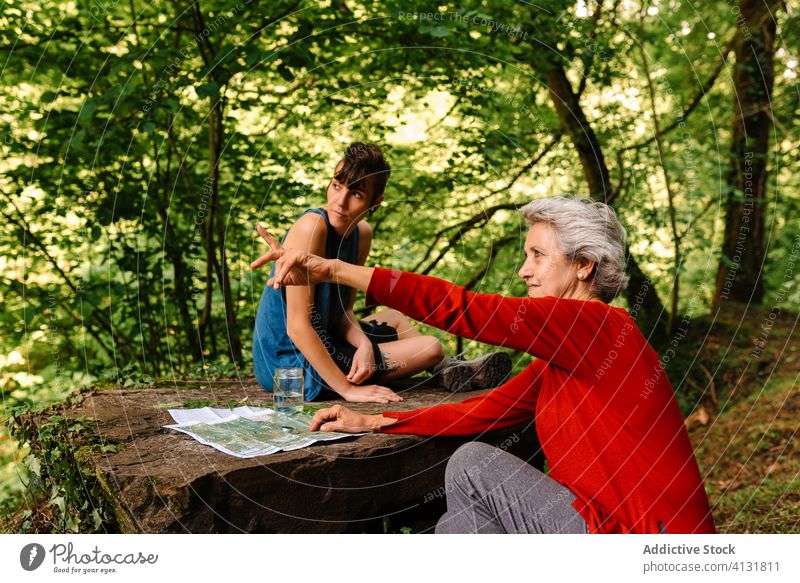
580,275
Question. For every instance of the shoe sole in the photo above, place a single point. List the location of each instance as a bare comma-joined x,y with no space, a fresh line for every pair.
488,372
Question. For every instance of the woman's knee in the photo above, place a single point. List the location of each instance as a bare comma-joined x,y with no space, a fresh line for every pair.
432,350
448,524
391,317
468,460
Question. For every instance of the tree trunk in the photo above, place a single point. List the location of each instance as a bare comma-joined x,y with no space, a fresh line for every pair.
646,306
204,325
739,273
583,137
215,217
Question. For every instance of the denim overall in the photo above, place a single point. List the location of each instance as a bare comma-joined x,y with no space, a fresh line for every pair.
272,347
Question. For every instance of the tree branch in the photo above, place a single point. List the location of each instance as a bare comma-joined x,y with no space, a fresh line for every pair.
446,115
670,196
694,220
481,272
706,87
38,244
553,141
271,21
475,221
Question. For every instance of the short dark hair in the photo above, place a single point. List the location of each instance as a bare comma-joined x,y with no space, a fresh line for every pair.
364,164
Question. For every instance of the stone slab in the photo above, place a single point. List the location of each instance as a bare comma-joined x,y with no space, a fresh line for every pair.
162,481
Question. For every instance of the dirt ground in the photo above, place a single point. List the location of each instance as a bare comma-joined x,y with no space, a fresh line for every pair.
746,438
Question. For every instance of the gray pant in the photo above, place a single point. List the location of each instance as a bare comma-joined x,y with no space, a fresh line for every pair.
491,491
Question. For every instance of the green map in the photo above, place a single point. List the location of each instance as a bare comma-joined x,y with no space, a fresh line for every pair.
249,431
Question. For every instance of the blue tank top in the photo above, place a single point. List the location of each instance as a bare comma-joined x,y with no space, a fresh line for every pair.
272,347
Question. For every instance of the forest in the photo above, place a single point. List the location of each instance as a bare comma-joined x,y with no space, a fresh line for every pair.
142,142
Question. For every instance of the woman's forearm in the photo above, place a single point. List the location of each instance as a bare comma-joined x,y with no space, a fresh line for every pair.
350,330
309,343
355,276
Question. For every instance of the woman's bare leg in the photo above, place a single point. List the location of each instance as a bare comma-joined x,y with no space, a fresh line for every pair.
405,329
409,356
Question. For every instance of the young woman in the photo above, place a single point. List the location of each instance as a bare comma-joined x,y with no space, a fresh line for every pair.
313,326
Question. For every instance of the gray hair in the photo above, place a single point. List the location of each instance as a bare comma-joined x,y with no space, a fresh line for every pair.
586,230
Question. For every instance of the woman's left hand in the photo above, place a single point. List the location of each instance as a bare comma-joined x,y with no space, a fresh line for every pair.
339,418
363,363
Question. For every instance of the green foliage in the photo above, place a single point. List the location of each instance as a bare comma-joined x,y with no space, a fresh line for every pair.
219,368
59,474
114,215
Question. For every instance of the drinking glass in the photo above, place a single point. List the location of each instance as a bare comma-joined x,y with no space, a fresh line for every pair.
287,390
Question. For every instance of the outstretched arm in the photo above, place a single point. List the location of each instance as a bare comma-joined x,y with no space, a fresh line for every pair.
561,331
509,404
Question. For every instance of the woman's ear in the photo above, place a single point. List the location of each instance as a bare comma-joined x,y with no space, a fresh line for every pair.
376,204
586,268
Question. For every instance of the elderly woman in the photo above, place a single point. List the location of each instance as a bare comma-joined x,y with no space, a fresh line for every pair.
618,453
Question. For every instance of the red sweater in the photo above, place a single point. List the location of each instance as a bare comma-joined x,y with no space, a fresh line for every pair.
604,409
